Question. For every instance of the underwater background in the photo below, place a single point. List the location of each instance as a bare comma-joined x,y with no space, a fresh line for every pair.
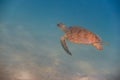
30,46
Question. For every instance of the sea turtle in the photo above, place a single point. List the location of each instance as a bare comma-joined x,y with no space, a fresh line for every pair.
79,35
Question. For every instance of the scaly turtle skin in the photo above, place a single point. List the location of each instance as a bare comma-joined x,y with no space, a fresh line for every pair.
79,35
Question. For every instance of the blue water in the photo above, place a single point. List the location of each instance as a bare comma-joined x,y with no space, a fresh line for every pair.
30,46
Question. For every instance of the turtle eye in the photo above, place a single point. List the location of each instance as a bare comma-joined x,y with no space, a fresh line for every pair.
58,25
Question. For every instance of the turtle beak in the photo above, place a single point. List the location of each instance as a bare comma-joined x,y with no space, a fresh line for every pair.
58,25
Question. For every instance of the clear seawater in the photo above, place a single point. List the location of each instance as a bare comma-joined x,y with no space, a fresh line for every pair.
30,46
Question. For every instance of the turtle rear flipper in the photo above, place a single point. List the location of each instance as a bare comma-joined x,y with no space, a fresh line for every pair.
63,43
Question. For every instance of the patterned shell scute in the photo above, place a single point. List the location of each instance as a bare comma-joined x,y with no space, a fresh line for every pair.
80,35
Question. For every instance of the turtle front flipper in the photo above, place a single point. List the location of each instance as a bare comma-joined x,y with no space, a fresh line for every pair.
63,43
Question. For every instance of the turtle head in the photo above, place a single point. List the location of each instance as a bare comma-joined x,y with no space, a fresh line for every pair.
62,27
